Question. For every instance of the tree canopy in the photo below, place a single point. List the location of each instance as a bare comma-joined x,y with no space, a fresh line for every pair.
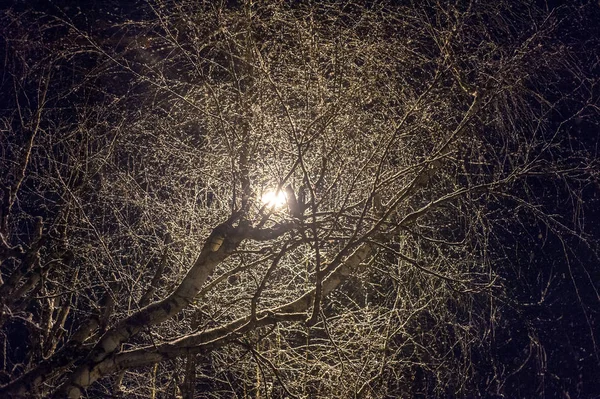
336,199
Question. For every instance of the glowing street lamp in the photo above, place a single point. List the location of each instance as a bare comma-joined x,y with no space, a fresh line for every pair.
274,199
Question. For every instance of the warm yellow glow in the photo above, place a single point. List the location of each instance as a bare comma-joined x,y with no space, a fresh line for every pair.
274,199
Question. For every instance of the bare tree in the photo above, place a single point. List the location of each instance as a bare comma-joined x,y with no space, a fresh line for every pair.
266,199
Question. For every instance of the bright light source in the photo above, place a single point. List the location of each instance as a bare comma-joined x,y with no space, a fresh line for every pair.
274,199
